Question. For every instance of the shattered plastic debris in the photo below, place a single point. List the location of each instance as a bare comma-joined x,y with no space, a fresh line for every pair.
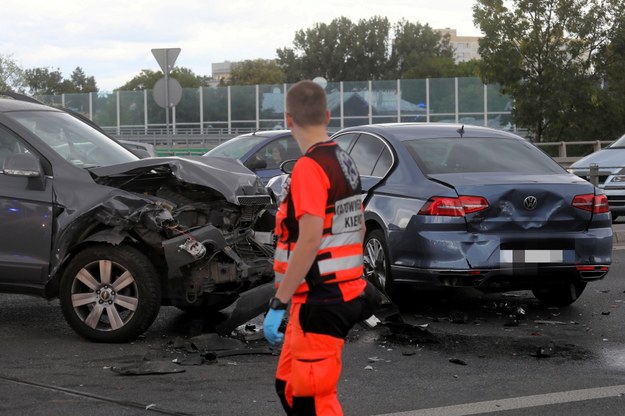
372,321
542,352
368,367
145,367
457,361
458,317
405,332
549,322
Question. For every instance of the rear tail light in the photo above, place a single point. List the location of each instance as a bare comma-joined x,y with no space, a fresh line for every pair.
596,204
453,207
592,268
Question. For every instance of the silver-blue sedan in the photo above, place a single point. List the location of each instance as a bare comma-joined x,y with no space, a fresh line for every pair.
454,205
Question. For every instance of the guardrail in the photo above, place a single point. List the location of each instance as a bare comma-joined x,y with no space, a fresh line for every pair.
566,153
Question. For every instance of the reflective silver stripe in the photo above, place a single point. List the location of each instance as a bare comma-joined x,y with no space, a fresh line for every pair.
342,263
337,240
281,255
279,277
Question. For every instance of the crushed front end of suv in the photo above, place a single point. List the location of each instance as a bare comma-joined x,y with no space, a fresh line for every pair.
113,236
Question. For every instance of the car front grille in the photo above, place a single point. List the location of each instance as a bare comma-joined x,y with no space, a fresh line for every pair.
248,200
616,201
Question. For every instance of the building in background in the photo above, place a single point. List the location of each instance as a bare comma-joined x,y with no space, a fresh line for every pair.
221,70
466,47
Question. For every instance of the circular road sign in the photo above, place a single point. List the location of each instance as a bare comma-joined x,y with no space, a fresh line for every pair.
161,95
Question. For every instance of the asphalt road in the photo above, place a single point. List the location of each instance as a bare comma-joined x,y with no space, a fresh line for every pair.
461,353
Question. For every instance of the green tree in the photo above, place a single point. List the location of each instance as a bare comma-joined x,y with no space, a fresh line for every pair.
258,71
11,75
146,79
80,83
419,52
338,51
44,81
467,68
610,97
544,54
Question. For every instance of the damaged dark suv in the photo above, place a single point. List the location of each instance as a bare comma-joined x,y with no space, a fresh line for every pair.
114,236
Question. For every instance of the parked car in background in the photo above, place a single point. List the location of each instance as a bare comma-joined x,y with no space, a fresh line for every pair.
262,152
113,236
452,205
611,173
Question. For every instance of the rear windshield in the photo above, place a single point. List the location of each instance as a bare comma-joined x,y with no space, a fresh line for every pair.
466,155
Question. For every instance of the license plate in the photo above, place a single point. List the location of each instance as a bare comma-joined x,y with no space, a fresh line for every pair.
531,256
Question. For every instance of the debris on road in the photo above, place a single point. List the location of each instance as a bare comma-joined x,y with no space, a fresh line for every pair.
458,317
146,367
542,352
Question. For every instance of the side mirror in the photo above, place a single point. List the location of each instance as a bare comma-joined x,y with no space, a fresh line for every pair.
22,164
25,165
287,165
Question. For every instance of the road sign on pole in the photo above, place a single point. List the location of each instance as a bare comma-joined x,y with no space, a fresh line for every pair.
167,93
166,59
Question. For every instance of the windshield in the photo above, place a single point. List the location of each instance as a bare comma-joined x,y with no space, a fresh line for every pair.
74,140
237,147
472,155
618,144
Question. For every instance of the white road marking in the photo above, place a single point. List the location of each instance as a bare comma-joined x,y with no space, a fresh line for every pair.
518,402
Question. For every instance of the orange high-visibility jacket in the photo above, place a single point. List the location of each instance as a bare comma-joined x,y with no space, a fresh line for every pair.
325,183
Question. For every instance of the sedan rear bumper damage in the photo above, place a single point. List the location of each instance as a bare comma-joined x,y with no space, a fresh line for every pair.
493,262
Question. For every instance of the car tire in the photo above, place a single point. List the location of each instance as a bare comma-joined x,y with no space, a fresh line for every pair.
110,293
376,263
561,295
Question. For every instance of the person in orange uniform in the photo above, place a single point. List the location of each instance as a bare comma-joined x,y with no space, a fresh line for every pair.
318,261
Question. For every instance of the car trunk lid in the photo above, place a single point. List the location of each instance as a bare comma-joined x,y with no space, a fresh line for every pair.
522,202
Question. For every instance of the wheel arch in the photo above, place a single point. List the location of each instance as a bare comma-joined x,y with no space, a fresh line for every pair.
108,236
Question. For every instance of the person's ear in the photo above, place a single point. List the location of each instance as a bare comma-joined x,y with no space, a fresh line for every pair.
289,120
328,116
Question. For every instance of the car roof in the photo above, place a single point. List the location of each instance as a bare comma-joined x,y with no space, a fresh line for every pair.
267,133
9,103
410,131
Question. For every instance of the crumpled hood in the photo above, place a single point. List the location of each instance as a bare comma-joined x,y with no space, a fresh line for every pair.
225,175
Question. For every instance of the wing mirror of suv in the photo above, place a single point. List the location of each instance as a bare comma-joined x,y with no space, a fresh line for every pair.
25,165
22,164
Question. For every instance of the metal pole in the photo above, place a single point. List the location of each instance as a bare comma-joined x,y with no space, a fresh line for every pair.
594,174
167,94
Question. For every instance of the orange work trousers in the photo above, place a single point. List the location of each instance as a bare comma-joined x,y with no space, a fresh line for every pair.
310,361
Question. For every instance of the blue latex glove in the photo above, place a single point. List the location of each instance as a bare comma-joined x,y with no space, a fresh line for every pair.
271,325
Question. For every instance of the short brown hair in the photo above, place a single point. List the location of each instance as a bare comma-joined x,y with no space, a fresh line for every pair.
306,102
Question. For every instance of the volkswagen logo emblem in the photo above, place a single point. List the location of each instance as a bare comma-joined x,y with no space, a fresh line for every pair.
530,203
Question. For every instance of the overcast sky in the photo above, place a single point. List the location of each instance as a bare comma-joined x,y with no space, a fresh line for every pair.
112,39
